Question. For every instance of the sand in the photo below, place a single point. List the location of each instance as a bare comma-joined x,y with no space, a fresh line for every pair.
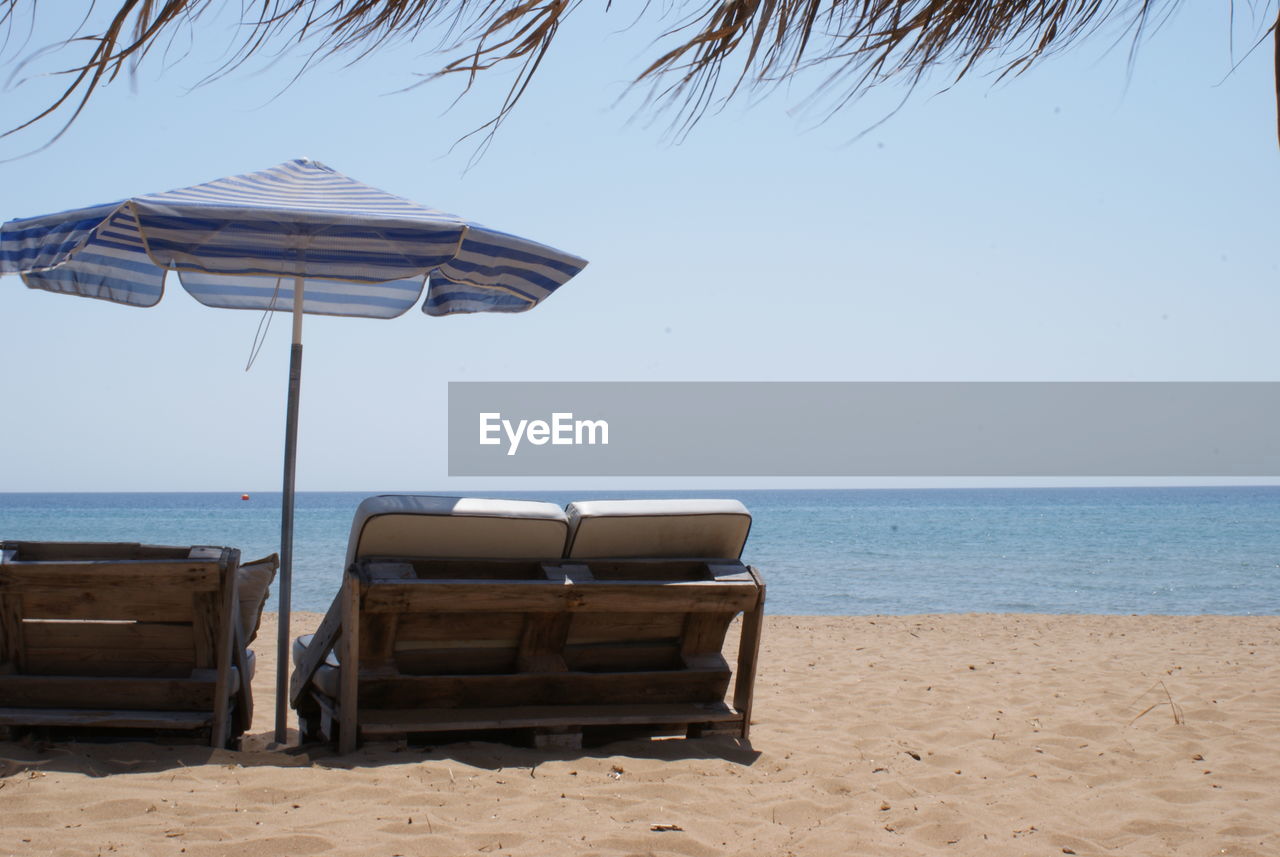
973,734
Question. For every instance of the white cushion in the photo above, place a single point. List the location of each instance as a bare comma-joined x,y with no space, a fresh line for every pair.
327,676
233,675
300,645
706,529
253,580
403,525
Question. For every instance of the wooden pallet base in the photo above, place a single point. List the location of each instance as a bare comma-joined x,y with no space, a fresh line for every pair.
113,725
551,727
105,719
561,652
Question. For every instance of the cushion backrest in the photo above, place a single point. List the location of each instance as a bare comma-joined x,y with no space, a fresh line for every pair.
406,525
711,529
253,585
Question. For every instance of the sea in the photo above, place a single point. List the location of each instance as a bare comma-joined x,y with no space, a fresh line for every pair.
1154,550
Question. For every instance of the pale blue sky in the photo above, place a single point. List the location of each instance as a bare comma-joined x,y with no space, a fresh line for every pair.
1078,223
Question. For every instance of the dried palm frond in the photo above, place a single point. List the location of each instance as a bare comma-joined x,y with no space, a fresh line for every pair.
856,44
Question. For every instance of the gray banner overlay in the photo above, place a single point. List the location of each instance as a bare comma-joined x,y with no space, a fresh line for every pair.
864,429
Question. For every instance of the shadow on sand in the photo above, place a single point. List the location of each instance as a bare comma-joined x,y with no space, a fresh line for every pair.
105,758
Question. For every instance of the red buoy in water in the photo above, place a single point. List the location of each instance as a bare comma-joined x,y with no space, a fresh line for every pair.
244,496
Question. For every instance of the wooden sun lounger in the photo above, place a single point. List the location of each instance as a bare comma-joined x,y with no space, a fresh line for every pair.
122,636
460,642
555,647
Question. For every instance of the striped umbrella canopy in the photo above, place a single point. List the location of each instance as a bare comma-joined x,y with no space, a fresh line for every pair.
299,237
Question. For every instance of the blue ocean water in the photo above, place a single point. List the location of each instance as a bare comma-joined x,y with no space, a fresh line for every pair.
1059,550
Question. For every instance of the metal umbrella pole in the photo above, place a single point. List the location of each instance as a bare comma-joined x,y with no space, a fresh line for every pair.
286,517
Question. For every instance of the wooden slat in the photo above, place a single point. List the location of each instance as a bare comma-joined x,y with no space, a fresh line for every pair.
652,570
443,627
144,605
402,721
102,718
313,656
703,638
458,569
152,640
457,660
204,629
227,618
105,663
616,627
748,657
639,656
12,639
19,551
409,647
569,688
189,575
82,692
348,685
542,643
378,642
419,596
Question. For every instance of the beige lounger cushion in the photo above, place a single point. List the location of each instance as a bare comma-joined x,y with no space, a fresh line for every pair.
657,528
251,662
404,525
326,677
253,581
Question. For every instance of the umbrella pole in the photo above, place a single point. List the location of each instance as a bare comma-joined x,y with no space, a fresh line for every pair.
286,517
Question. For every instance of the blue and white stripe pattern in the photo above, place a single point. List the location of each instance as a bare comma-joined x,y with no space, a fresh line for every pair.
239,243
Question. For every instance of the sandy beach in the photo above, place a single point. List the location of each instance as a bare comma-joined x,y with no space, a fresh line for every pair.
952,734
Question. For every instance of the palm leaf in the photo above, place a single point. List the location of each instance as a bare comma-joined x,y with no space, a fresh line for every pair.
717,48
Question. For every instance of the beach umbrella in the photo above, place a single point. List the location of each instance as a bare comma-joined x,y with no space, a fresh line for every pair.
299,237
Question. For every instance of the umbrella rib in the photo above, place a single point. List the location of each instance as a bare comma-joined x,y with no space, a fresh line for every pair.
462,236
142,236
80,245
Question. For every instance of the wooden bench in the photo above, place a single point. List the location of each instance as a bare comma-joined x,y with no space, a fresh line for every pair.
552,647
102,637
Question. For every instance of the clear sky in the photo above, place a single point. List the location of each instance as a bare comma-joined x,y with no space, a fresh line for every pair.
1079,223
